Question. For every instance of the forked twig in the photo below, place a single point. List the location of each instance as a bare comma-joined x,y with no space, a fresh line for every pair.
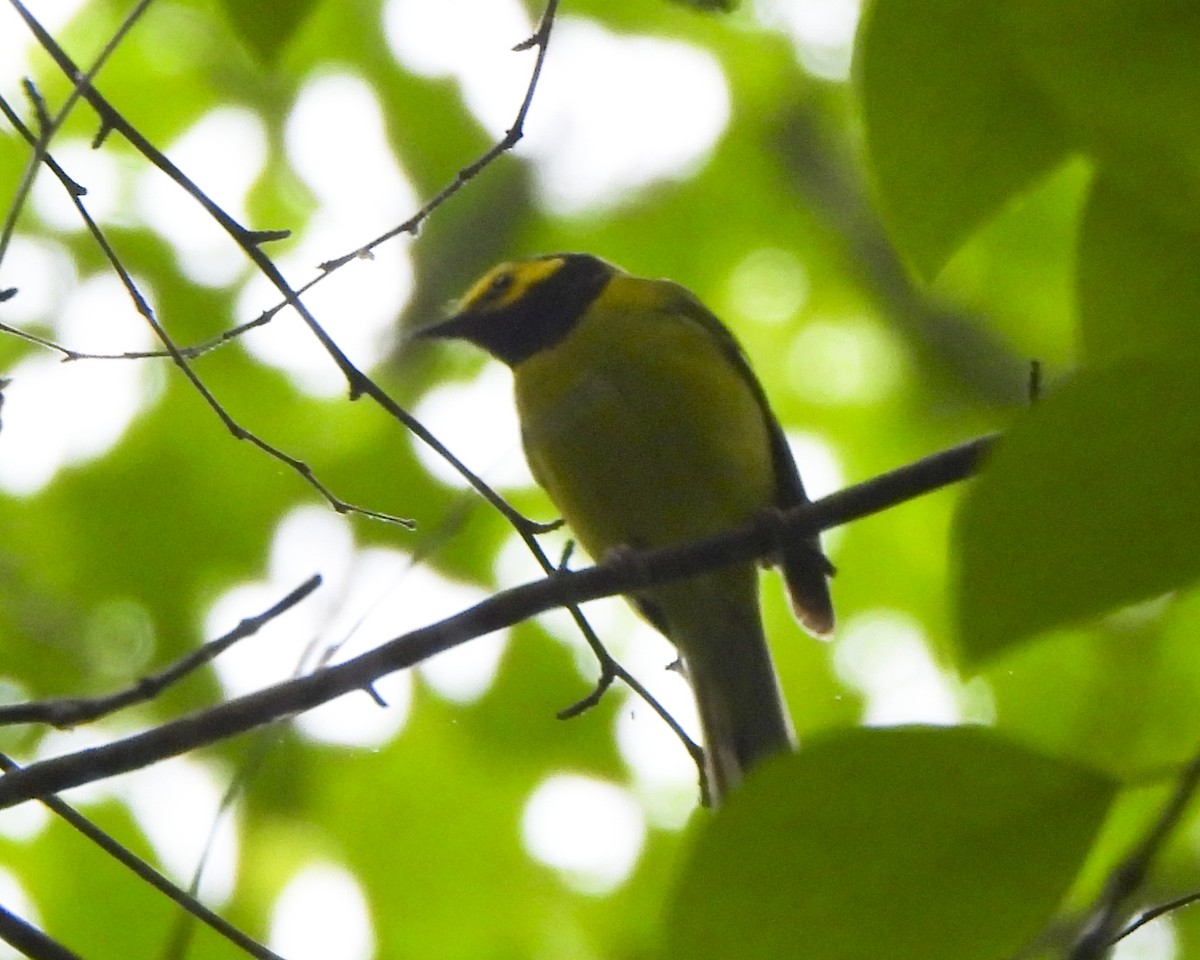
64,712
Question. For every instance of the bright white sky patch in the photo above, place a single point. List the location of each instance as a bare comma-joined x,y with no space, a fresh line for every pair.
821,473
664,776
336,141
223,153
16,41
97,170
176,802
464,673
822,31
17,901
883,654
1157,940
59,414
820,468
367,598
590,831
336,622
660,109
477,420
42,271
471,40
24,821
322,913
399,597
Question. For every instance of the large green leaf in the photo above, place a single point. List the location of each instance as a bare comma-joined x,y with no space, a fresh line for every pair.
929,843
954,127
1088,505
1139,289
1122,73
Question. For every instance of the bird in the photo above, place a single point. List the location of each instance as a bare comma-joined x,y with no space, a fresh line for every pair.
643,421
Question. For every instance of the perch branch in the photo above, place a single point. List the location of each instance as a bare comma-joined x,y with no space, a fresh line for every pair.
622,575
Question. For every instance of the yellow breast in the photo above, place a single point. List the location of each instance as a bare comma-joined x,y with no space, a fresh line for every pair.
640,427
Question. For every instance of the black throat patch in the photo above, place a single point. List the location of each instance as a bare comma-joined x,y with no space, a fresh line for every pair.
538,320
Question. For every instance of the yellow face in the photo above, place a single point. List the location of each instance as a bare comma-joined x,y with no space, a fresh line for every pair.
505,284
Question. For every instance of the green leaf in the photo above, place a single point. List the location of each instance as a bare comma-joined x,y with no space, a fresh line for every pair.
1123,75
1139,289
266,26
923,843
1088,505
954,128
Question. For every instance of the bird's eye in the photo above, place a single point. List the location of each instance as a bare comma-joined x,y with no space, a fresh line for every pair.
500,285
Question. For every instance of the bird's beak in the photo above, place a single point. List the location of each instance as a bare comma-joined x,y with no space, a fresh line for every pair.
458,326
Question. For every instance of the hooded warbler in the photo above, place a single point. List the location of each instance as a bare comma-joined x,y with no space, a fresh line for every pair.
641,418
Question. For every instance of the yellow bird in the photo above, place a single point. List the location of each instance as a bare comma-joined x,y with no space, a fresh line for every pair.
643,421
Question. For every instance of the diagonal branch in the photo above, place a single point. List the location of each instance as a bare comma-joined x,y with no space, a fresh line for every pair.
251,241
1103,928
31,941
360,384
147,873
65,712
49,126
622,575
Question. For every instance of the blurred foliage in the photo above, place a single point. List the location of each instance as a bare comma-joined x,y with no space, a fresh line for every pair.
1000,181
992,828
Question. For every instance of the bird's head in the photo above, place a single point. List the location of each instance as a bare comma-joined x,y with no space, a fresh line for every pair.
518,308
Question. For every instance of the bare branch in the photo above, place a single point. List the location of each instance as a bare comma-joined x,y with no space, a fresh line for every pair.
1146,916
541,40
249,241
29,940
48,126
147,873
66,712
182,362
1103,928
623,575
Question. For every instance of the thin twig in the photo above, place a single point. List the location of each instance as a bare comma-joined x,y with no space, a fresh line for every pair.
512,136
623,575
359,383
1104,923
49,126
145,871
181,361
1153,913
66,712
249,241
611,670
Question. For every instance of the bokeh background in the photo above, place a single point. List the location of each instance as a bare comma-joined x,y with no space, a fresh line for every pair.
733,153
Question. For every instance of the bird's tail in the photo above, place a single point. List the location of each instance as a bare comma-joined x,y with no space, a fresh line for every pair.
742,712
